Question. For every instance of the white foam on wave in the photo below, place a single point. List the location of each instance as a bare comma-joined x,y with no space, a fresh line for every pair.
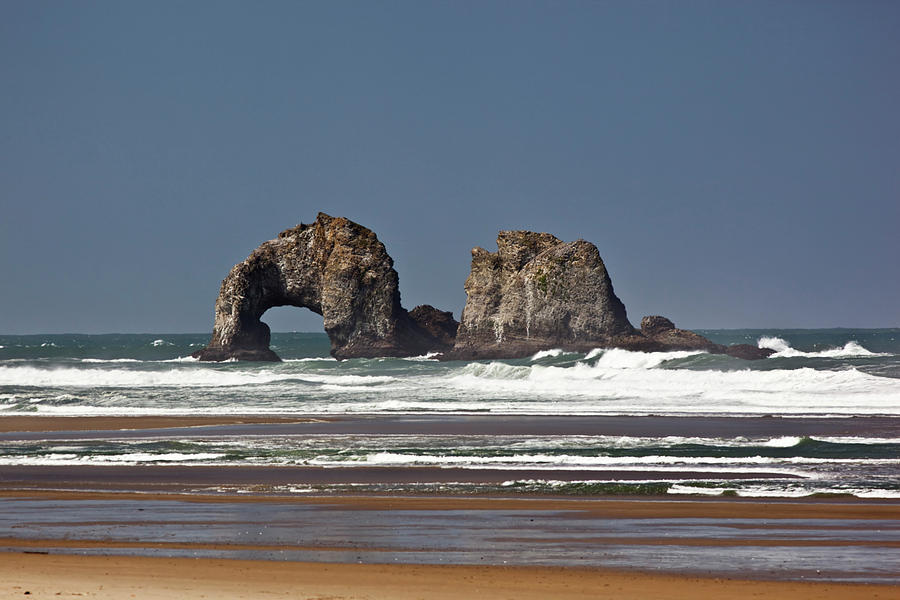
69,377
145,457
131,458
522,461
117,410
191,377
354,380
158,343
547,354
770,491
110,360
609,359
616,358
613,382
598,388
310,359
858,440
783,349
629,442
428,356
783,442
180,359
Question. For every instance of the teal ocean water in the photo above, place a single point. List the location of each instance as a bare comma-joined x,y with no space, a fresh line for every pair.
814,375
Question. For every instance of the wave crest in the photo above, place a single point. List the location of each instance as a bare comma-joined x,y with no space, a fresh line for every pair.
783,349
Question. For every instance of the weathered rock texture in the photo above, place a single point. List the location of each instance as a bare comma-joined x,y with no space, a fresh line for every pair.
337,269
662,331
538,292
535,293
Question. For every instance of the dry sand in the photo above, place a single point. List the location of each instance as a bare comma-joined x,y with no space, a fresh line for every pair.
115,578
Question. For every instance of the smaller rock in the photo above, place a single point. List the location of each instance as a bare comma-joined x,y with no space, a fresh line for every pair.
652,325
439,324
663,331
748,352
666,336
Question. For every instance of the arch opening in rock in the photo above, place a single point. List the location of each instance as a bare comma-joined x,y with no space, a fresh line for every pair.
338,269
292,319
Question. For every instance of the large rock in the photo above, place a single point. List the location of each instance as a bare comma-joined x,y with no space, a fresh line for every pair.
335,268
537,292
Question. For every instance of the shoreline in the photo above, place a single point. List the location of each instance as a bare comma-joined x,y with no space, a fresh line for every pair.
231,531
666,507
460,424
45,424
781,541
115,577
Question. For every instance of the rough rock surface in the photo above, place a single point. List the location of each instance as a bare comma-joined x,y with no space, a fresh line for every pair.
662,331
439,324
537,292
337,269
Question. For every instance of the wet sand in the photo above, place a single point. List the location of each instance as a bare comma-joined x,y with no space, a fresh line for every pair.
115,577
268,479
656,426
815,540
151,510
601,508
17,423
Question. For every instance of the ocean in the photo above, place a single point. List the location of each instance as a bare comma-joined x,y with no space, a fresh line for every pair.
819,417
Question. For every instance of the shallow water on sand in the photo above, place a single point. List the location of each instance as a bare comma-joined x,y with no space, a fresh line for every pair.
810,549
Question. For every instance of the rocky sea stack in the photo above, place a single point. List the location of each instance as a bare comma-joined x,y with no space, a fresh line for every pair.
538,292
335,268
535,293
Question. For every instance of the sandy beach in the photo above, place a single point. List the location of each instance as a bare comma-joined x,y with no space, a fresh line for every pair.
177,531
89,560
116,577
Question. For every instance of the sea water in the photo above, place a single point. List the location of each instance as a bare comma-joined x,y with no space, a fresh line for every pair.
814,374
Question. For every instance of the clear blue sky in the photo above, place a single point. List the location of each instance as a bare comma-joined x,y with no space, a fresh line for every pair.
736,163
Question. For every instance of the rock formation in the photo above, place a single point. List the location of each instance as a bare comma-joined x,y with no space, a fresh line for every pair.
535,293
662,331
538,292
337,269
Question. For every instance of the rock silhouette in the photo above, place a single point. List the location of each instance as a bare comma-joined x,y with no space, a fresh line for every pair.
538,292
535,293
335,268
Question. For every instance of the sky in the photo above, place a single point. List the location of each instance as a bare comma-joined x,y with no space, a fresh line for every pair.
736,163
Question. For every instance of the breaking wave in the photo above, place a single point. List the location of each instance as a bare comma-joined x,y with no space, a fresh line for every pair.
783,349
27,376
